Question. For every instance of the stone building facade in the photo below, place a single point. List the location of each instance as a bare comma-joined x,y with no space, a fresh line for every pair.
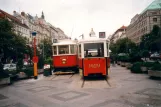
143,23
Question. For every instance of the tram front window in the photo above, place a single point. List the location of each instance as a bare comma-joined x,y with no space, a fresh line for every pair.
94,50
63,49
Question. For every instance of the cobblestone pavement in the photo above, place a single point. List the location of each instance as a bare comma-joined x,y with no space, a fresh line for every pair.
122,89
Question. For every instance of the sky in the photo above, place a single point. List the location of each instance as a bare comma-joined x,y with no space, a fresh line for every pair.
76,17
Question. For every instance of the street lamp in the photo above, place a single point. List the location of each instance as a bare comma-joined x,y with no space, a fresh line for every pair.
35,58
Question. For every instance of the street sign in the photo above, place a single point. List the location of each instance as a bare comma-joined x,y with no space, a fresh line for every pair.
35,59
102,35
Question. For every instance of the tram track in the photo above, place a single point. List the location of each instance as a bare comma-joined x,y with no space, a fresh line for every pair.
108,83
72,75
54,77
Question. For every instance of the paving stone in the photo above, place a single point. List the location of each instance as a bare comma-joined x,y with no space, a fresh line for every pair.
23,84
16,105
150,92
113,103
70,95
2,97
133,79
41,88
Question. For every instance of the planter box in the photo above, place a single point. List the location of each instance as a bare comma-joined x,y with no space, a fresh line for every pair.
123,64
128,65
5,81
22,75
47,72
118,62
152,73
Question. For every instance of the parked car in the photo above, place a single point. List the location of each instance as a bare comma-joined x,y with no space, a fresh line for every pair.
155,55
9,67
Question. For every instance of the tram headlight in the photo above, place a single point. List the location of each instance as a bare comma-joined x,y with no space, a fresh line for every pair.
64,61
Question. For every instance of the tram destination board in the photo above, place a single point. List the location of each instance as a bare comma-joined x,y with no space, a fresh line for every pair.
102,35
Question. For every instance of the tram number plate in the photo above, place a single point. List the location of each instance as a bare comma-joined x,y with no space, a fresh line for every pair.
94,65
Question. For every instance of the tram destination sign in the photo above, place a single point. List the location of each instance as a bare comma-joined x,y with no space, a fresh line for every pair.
102,35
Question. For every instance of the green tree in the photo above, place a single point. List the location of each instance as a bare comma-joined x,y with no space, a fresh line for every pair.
152,41
123,46
13,46
46,47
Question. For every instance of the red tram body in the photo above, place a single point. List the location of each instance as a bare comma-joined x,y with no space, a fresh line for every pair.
94,57
65,56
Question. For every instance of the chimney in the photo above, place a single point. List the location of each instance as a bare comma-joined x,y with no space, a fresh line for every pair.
23,13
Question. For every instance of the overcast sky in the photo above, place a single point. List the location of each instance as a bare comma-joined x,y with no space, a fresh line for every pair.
80,16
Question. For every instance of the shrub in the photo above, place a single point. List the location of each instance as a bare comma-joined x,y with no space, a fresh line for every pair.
148,64
134,57
156,66
29,71
48,61
136,67
2,73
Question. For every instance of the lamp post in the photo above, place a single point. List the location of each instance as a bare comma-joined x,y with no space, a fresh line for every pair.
35,58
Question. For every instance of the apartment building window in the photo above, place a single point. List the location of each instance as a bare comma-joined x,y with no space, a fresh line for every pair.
154,19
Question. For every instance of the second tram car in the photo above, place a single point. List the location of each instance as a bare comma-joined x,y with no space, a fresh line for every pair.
65,56
94,57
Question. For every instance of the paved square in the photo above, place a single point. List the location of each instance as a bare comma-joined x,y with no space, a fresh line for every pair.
23,84
135,79
2,97
150,92
16,105
70,95
113,103
41,88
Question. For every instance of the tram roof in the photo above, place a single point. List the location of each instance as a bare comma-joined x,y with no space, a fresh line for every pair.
65,42
93,40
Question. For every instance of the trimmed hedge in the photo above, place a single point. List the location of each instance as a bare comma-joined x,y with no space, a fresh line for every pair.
29,71
156,66
136,67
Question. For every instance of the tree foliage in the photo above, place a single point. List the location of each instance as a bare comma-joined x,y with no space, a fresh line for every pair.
124,45
46,47
152,41
13,46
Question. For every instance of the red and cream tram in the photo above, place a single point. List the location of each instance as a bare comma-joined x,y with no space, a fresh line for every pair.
94,57
65,56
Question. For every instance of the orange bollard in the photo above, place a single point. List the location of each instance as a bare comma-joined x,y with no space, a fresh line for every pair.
35,71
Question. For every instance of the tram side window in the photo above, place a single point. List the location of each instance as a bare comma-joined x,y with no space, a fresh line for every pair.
94,50
63,49
54,50
72,49
107,49
79,50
